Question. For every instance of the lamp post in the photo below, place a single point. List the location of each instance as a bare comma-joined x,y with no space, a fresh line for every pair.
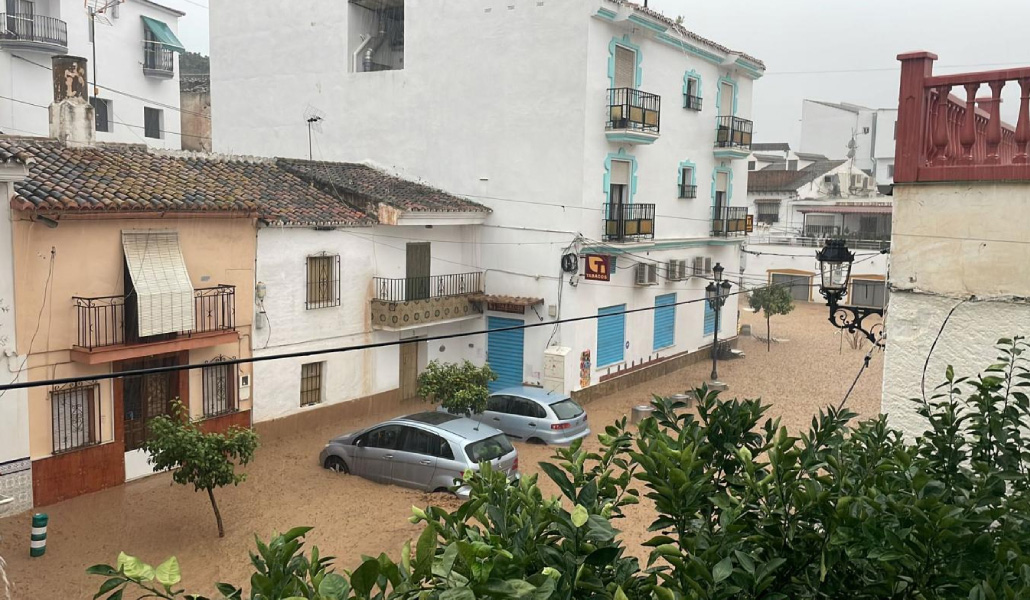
716,293
835,262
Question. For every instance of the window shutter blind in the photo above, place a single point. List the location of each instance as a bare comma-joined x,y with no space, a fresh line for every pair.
625,67
620,172
163,291
721,181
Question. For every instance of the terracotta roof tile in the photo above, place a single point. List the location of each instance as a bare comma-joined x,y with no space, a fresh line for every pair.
789,181
129,177
375,186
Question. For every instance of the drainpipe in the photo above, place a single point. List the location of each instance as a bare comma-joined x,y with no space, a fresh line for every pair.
357,53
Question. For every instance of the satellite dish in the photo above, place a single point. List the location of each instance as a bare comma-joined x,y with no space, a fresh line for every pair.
314,118
570,263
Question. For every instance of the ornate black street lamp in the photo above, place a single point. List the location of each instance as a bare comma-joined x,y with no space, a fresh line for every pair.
716,293
835,267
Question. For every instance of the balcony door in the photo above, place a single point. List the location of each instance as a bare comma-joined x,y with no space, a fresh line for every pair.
20,14
726,100
719,212
417,261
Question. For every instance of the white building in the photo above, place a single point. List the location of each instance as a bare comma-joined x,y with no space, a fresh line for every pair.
133,79
390,259
828,129
797,210
595,127
961,266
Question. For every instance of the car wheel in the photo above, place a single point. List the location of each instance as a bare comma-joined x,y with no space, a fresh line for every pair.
536,442
335,463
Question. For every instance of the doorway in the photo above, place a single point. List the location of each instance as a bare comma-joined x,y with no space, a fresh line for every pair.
417,265
409,355
143,398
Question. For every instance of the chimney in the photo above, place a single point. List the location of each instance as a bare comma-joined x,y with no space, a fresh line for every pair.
72,119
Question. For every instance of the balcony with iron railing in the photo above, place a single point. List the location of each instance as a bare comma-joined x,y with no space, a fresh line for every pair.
731,220
692,102
634,117
943,137
107,329
406,302
628,222
33,32
158,61
732,137
688,191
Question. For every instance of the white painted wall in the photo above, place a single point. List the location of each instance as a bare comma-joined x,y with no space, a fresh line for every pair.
945,252
505,104
286,326
15,475
767,258
119,60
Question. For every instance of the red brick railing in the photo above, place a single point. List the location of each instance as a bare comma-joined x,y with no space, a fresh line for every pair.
940,139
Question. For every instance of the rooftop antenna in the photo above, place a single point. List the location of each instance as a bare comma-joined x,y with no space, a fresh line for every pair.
96,10
314,118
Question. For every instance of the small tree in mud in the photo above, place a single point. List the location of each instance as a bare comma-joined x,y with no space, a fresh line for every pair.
460,388
772,300
206,460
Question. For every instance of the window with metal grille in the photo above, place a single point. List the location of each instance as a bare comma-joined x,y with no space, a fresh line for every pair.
75,415
767,212
311,384
323,281
219,388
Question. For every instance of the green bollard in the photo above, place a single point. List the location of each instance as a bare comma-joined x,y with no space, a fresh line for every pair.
37,546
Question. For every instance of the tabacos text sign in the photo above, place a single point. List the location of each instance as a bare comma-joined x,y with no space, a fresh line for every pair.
598,267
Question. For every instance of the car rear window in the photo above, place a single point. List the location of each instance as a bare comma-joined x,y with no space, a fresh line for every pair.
566,409
488,449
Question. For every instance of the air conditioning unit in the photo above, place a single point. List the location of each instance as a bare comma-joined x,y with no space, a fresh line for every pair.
699,267
677,270
647,274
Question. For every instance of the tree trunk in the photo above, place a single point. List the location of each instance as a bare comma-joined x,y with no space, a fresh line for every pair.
768,334
218,515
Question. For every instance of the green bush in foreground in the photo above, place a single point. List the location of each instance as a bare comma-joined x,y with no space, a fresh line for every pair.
742,510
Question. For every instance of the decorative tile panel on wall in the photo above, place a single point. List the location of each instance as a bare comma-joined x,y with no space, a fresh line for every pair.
416,313
16,482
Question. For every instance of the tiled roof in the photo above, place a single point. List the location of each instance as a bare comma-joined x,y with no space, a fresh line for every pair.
789,181
769,158
130,178
376,186
672,24
771,147
810,156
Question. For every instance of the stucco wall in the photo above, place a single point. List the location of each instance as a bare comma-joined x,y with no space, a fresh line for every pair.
88,262
967,344
961,239
119,57
365,253
196,121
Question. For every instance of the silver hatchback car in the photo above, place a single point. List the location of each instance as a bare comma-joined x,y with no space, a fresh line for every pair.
535,415
426,451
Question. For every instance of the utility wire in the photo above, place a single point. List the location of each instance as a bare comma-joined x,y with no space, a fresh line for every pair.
926,363
335,350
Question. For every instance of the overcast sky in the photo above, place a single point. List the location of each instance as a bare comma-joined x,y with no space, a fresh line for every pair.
845,51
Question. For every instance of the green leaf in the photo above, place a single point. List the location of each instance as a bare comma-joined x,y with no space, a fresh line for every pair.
106,570
602,556
134,568
168,573
745,561
722,569
559,477
619,594
364,578
579,516
334,587
109,585
117,595
458,593
227,590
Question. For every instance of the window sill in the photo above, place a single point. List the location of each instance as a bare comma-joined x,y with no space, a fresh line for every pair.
609,366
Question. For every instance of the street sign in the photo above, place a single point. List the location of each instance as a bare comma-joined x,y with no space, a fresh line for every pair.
750,227
598,267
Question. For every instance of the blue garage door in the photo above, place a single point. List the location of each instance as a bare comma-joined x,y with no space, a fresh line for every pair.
611,335
504,352
664,321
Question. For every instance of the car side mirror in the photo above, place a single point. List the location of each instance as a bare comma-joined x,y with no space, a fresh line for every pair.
360,443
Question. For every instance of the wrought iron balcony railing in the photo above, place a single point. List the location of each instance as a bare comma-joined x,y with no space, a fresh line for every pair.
729,220
103,321
628,222
34,29
630,108
420,288
733,132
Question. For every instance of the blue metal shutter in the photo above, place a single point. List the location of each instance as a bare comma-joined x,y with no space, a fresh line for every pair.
710,320
664,321
611,335
504,352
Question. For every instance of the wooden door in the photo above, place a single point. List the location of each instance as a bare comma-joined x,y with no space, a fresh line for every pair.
409,370
417,271
146,397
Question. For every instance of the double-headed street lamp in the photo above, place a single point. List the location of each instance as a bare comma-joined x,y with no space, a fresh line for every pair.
716,293
835,266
